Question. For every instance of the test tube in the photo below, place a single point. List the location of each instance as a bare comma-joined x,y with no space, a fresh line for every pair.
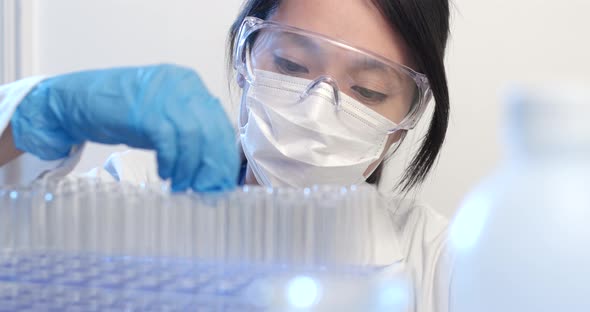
243,211
221,230
326,218
234,219
132,210
182,210
361,207
89,220
9,200
8,197
308,219
154,201
204,229
254,203
110,220
269,229
287,202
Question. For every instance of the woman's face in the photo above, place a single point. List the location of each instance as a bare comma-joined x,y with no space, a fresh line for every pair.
357,22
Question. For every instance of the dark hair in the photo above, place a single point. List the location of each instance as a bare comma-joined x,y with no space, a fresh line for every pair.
424,26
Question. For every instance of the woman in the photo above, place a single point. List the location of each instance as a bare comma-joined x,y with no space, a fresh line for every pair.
329,90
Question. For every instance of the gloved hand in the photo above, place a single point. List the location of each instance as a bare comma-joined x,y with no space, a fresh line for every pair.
165,108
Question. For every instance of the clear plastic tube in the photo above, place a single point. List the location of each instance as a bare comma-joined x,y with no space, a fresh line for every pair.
117,246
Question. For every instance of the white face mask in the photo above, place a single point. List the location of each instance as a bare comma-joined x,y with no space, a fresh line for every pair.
296,142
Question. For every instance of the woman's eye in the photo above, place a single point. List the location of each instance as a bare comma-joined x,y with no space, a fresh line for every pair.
369,95
290,67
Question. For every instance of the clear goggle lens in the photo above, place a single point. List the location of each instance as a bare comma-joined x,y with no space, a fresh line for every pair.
395,92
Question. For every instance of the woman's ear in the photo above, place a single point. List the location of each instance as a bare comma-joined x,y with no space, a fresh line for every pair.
240,80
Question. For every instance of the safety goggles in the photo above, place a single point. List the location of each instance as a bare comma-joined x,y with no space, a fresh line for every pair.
394,91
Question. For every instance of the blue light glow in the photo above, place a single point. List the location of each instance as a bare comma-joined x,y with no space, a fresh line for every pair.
393,296
303,292
470,221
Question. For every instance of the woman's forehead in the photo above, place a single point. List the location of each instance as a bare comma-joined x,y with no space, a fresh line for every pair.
357,22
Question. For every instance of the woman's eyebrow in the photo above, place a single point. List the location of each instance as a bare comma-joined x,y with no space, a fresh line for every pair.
302,41
366,64
363,64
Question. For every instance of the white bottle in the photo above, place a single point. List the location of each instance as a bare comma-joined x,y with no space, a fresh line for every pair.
522,238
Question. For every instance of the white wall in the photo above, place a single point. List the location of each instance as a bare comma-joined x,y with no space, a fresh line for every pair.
493,42
496,43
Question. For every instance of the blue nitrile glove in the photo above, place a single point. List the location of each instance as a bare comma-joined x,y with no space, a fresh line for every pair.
165,108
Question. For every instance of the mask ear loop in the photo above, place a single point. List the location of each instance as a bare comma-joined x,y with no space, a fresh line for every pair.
394,148
328,80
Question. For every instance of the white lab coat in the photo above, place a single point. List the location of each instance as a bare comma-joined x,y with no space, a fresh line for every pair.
418,239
